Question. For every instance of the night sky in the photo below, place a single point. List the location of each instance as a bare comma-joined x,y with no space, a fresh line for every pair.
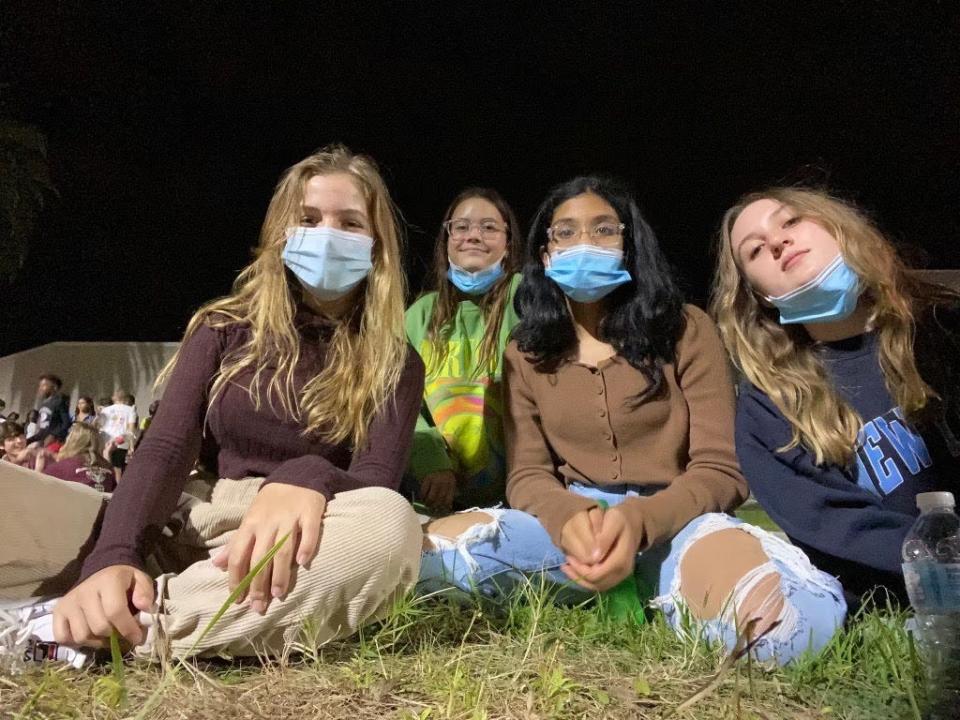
168,124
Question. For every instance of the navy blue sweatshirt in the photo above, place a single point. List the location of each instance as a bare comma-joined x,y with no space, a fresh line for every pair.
851,521
54,419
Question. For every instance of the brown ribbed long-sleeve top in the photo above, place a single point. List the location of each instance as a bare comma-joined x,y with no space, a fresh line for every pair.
247,441
576,425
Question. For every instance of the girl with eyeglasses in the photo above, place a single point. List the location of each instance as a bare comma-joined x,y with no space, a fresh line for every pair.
460,329
300,387
851,400
619,427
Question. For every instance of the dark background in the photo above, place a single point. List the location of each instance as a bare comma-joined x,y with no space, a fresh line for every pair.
169,122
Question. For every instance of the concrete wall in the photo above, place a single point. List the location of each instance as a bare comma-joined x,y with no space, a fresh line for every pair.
95,369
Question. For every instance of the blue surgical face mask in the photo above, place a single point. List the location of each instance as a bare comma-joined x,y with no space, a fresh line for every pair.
474,283
830,296
328,262
587,273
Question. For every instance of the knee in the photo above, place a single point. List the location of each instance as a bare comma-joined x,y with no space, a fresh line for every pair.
758,601
388,526
463,527
805,620
714,565
488,549
473,527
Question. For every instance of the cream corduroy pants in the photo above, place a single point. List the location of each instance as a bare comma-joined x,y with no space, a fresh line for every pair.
369,555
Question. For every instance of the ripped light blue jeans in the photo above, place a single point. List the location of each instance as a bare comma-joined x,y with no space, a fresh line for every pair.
491,558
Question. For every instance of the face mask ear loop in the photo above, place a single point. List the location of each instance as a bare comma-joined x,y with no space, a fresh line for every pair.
757,295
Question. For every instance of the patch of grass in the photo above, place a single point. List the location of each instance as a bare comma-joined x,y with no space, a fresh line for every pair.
438,659
755,515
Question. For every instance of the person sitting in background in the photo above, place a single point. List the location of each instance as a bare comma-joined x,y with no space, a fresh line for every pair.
13,417
32,417
44,452
85,413
3,406
460,330
54,411
15,447
80,460
118,429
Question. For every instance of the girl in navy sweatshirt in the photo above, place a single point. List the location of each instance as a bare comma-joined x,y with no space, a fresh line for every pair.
851,400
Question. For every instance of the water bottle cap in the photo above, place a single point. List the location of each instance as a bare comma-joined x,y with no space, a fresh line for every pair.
934,500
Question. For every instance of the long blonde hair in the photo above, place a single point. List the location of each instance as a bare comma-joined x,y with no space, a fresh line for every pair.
367,351
782,360
84,440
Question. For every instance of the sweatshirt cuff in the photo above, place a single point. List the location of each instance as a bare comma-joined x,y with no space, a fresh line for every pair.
429,456
105,557
657,518
563,505
310,472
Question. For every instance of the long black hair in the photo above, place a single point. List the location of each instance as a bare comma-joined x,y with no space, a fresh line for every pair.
644,318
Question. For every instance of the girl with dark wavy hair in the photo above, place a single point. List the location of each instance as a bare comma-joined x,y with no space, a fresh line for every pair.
85,412
460,328
619,428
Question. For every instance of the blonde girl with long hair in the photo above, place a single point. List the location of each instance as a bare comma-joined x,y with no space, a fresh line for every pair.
850,404
460,328
81,459
299,387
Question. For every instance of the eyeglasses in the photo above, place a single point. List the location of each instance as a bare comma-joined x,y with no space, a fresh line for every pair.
605,234
461,228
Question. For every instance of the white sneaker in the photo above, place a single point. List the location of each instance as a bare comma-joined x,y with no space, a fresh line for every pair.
26,636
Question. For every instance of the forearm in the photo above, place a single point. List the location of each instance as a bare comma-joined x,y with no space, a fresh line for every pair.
657,518
545,497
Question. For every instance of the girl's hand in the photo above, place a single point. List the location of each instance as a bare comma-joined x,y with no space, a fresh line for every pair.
438,489
90,612
578,538
278,510
616,544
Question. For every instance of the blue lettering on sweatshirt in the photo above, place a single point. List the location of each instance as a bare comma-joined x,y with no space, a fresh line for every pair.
887,449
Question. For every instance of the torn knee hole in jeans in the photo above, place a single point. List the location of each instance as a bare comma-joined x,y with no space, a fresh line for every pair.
461,531
758,597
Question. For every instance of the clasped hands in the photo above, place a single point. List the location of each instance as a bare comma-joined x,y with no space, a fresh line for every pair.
601,548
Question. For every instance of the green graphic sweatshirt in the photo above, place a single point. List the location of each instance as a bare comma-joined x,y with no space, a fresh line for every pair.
460,427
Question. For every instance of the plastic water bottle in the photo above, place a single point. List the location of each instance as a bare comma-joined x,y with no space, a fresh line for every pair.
931,570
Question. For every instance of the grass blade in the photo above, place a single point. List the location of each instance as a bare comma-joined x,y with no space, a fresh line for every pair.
239,590
154,698
116,657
